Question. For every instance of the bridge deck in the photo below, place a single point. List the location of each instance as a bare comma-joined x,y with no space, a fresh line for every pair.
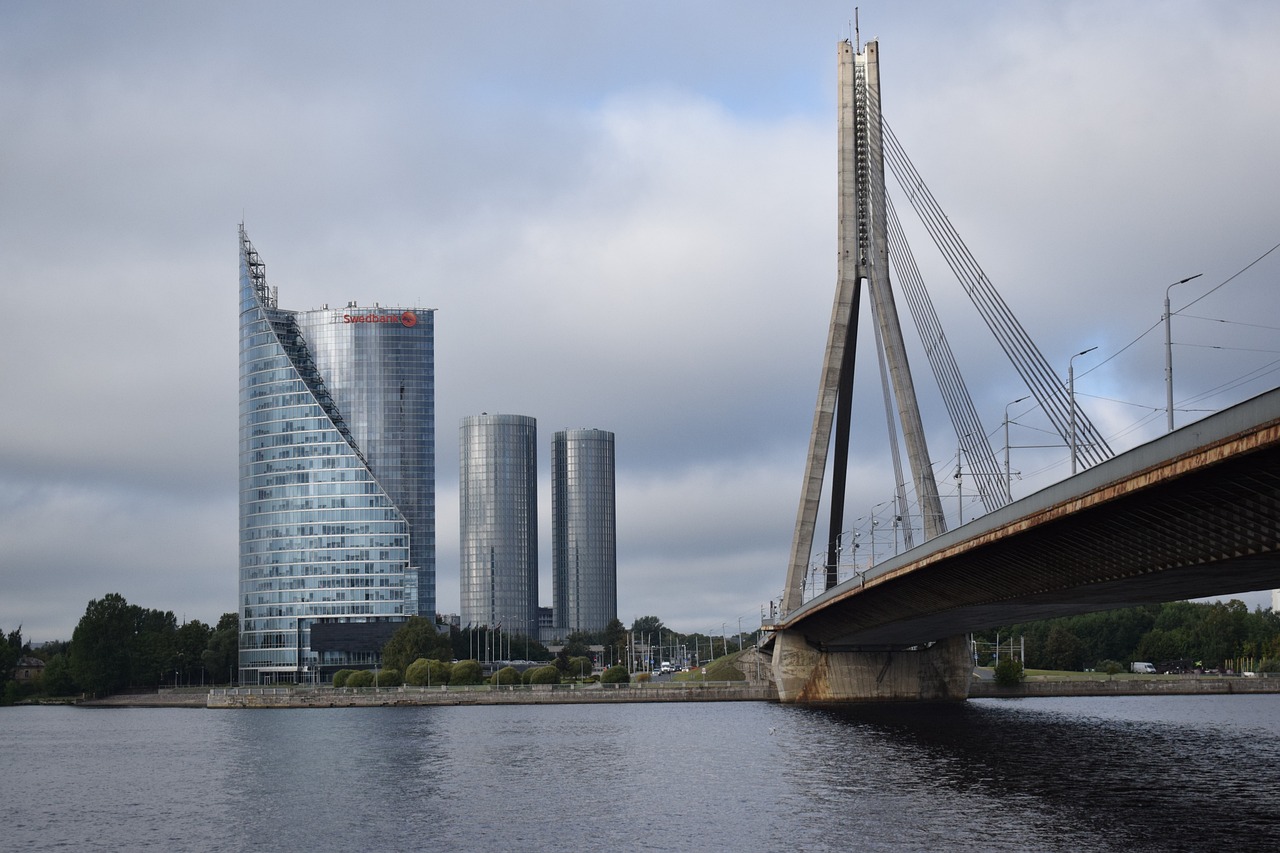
1193,514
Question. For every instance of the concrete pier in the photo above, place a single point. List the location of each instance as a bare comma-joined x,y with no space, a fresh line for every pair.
804,674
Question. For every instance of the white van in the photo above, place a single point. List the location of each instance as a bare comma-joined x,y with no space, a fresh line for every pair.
1142,667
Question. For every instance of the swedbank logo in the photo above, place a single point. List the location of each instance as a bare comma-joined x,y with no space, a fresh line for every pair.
408,319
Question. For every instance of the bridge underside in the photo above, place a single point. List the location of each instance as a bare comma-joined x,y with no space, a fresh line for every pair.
1192,515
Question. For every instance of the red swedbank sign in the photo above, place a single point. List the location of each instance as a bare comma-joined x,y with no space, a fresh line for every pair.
408,319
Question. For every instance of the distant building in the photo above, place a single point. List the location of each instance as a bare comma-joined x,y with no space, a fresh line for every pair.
28,669
498,522
584,530
337,480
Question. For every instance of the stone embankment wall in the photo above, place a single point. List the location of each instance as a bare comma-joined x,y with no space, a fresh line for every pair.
286,697
1127,687
163,698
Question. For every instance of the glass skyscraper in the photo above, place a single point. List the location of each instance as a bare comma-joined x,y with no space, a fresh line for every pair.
337,479
498,522
584,530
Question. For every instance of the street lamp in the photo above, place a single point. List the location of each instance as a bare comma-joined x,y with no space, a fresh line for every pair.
1168,350
1008,486
1071,398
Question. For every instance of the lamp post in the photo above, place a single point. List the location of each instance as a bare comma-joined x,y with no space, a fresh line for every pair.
1071,399
1008,483
1168,350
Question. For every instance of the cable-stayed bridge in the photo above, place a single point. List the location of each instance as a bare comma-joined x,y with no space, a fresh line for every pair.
1194,514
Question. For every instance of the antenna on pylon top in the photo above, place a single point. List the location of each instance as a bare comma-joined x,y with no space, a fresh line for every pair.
857,35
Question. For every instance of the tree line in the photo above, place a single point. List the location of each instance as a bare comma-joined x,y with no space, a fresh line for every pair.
1211,636
117,645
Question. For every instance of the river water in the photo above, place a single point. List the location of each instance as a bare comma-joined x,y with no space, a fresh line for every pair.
1176,773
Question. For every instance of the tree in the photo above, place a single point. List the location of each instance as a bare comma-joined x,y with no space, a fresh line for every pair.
545,675
341,677
1009,672
614,634
648,625
222,651
576,644
101,645
416,638
12,649
1063,649
58,680
507,675
466,672
360,678
190,643
615,675
579,667
419,673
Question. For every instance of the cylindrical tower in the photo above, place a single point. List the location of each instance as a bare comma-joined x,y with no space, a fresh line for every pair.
498,522
584,530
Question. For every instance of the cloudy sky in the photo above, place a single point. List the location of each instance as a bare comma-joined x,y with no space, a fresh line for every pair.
625,216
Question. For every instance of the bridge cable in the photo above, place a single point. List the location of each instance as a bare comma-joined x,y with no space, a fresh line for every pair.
972,437
1040,378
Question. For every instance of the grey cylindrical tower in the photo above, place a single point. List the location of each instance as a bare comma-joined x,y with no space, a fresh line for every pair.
498,522
584,530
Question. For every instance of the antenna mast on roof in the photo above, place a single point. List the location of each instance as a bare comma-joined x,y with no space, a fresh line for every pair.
857,34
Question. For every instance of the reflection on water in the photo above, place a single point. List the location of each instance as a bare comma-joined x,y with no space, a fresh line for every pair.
1132,774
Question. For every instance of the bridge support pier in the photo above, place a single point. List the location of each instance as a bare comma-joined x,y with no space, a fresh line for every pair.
806,675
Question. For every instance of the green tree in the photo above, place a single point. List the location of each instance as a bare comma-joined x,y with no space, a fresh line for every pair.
360,678
389,677
616,674
507,675
576,644
190,643
1063,649
12,648
579,667
419,673
342,676
221,653
466,672
441,671
545,675
58,680
1009,672
416,638
101,645
648,625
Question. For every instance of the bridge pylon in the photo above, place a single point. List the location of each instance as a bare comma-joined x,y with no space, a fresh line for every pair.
805,673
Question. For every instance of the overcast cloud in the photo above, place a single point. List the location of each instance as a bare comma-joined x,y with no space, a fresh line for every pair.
625,216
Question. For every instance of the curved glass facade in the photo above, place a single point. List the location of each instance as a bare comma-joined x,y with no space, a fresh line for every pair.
498,522
337,474
584,530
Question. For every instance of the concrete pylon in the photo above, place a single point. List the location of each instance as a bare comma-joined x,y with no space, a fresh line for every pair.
804,673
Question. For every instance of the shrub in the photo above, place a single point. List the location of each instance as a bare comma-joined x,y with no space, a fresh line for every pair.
440,672
466,672
545,675
616,674
642,677
579,667
360,678
507,675
389,677
1269,665
1009,672
1110,667
340,677
419,673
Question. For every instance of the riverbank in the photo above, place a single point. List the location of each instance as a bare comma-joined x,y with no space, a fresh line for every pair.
1126,686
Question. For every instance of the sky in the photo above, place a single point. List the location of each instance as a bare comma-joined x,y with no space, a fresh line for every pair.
625,217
